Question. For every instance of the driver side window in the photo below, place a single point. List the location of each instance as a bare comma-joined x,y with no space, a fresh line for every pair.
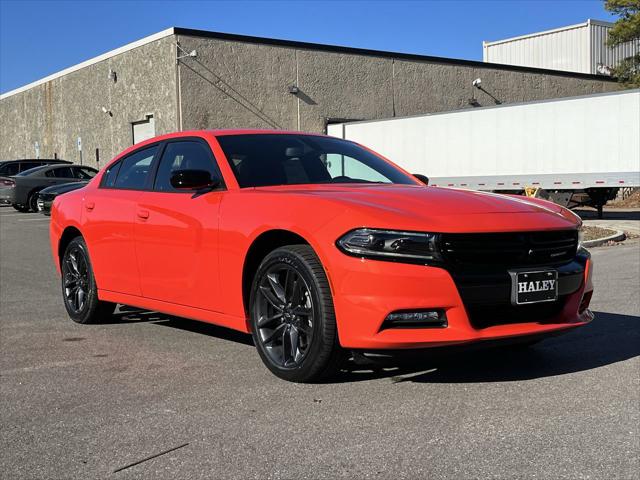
185,155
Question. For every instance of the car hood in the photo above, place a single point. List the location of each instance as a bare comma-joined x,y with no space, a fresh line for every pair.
426,204
63,188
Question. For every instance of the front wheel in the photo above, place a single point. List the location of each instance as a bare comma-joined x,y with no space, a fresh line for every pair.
292,316
79,289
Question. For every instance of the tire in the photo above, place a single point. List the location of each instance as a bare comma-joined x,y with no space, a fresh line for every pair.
79,291
292,316
20,208
32,202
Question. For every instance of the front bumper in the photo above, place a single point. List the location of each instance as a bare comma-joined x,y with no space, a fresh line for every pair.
44,204
366,291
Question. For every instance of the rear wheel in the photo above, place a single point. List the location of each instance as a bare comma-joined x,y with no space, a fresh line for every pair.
79,289
292,316
20,208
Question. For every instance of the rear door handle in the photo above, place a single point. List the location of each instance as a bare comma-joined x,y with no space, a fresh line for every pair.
144,214
89,206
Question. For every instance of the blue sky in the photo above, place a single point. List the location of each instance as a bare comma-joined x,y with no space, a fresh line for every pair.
38,38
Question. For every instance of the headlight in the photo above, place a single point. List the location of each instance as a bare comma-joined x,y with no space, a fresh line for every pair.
412,247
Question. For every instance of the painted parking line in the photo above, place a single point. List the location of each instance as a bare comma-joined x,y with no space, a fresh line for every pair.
33,219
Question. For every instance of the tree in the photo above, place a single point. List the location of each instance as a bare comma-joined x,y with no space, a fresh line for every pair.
626,29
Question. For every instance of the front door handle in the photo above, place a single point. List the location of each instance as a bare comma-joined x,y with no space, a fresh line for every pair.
144,214
89,206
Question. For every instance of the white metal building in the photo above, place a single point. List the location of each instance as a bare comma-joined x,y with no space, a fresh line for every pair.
590,141
576,48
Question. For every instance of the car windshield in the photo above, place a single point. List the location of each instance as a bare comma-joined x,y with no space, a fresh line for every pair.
31,170
283,159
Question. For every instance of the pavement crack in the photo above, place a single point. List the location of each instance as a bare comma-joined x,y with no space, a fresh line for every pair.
150,457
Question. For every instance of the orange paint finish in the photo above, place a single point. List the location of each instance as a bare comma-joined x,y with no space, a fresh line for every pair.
185,256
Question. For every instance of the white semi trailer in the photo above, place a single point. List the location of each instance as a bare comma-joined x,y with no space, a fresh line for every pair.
580,150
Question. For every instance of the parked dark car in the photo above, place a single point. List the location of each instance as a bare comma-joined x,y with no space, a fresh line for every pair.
9,168
21,190
47,195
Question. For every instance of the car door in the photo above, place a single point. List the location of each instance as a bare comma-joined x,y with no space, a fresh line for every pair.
109,212
177,232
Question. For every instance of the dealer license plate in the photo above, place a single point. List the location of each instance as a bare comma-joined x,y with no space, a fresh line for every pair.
534,287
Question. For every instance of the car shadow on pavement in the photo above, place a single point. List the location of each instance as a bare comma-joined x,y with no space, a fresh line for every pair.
206,329
610,338
127,314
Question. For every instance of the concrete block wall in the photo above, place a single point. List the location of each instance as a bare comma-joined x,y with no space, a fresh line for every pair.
232,84
56,113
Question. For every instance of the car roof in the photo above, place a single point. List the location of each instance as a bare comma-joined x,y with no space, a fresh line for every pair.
47,160
50,167
55,166
209,133
220,133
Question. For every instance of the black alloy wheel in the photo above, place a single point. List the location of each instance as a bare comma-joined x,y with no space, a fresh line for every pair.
285,315
292,316
32,202
79,289
75,278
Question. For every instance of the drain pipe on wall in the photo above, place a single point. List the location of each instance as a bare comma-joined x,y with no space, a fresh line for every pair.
178,90
298,85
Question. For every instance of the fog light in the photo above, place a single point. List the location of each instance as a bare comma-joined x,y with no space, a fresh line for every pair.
415,319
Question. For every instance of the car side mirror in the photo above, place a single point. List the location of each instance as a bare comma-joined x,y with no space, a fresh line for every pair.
193,180
423,178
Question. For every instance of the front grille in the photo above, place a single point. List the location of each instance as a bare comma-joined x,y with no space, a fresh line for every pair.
483,316
513,249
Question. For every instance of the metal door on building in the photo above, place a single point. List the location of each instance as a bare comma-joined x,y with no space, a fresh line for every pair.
144,129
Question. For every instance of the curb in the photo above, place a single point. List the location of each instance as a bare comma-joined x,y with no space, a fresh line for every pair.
616,237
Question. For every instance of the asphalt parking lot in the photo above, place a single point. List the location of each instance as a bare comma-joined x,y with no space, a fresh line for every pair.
91,401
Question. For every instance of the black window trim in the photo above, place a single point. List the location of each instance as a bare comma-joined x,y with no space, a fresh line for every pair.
212,158
157,154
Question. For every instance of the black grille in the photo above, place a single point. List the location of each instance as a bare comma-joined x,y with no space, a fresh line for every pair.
509,249
483,316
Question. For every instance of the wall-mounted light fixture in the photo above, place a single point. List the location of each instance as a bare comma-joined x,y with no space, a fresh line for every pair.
107,111
113,75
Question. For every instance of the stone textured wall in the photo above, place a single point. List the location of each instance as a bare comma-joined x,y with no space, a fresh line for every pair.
234,84
56,113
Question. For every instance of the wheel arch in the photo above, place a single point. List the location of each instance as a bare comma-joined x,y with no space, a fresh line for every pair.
264,243
68,234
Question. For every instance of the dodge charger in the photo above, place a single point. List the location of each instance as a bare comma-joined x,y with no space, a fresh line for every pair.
316,246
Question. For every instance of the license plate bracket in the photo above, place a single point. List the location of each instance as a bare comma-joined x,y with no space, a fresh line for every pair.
534,286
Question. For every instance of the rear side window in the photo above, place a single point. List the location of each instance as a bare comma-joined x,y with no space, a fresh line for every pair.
28,165
9,169
187,155
134,169
62,172
83,173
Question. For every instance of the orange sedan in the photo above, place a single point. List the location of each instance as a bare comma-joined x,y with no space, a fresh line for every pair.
316,246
